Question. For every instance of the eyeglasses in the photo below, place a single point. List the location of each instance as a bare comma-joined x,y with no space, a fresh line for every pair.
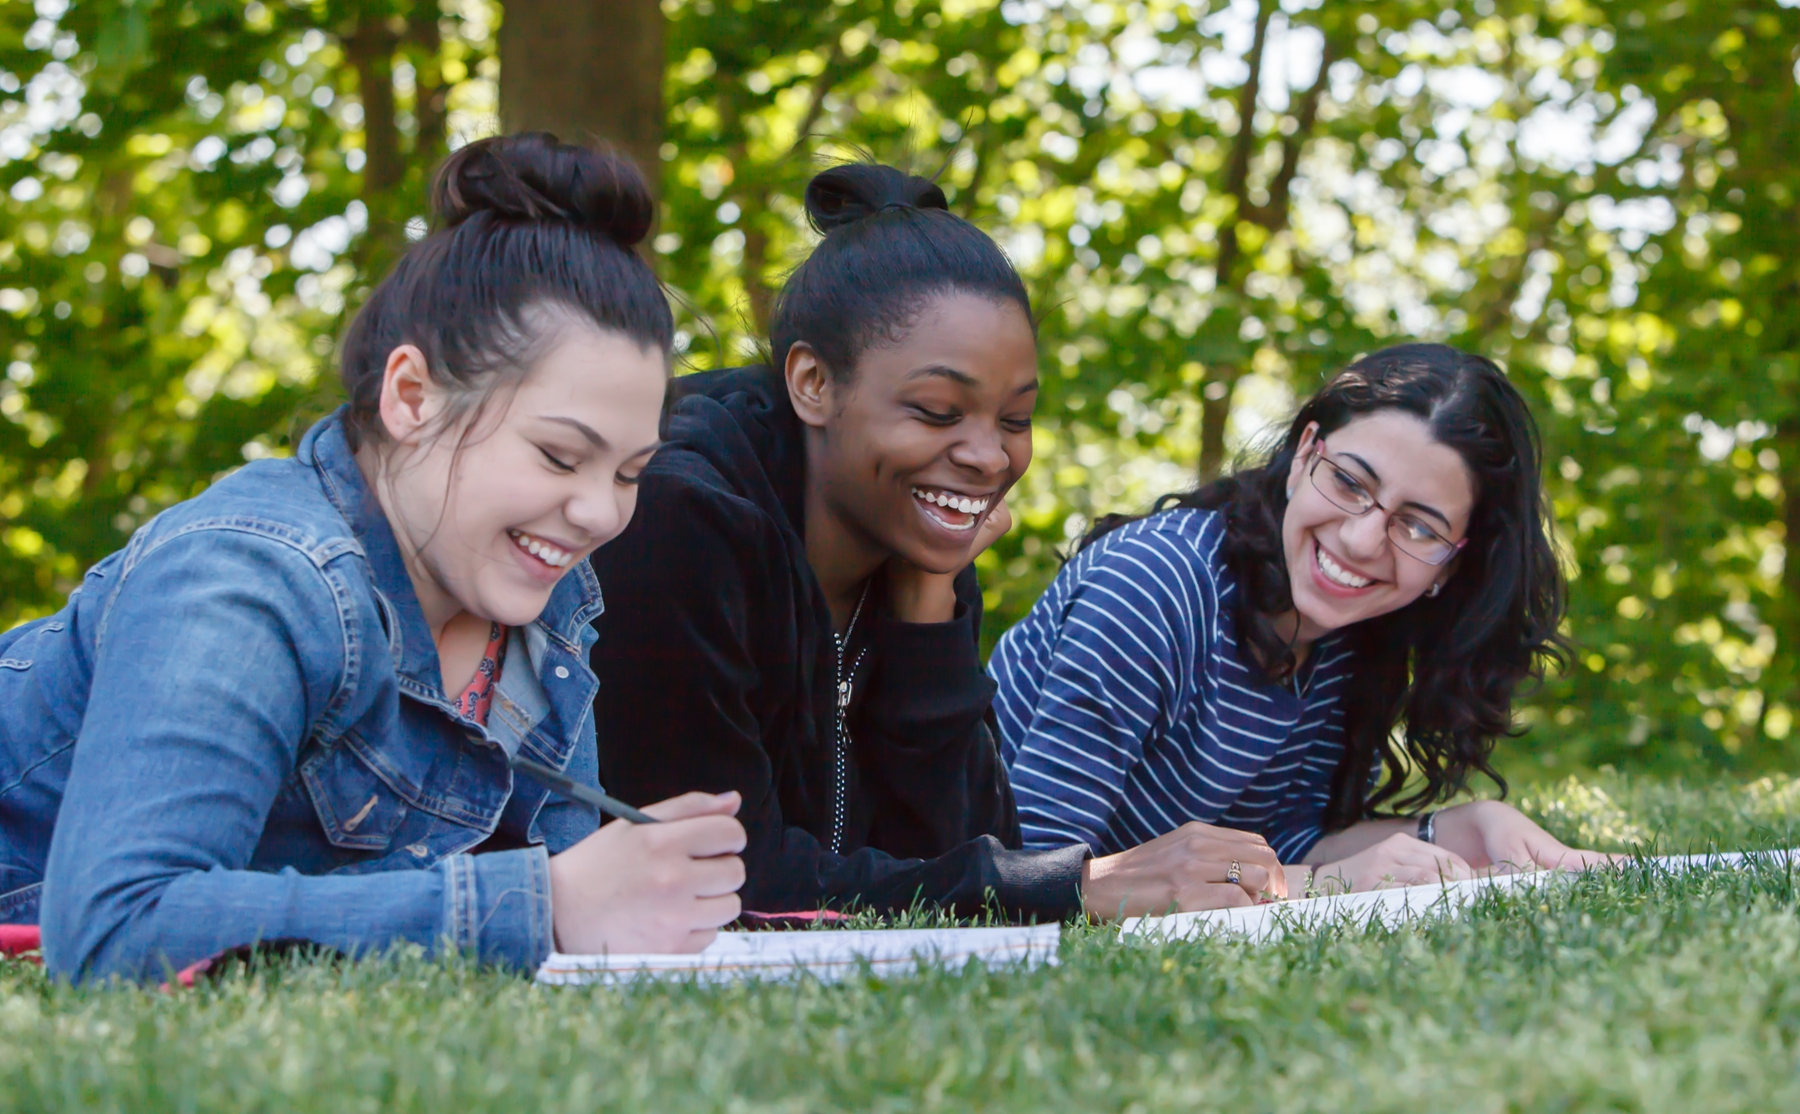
1409,533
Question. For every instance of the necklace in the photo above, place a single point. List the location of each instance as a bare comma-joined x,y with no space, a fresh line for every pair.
841,745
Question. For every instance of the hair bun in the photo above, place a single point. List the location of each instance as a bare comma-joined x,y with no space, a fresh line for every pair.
535,177
846,194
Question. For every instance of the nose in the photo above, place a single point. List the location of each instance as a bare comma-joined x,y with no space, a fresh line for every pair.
601,511
982,451
1363,535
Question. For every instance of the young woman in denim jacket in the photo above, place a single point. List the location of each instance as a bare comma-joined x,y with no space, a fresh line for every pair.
246,726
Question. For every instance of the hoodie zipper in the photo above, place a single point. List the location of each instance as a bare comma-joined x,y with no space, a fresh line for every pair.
841,744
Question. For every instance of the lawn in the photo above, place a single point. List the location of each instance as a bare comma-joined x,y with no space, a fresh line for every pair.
1634,991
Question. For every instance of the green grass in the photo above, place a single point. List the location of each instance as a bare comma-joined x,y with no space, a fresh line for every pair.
1628,992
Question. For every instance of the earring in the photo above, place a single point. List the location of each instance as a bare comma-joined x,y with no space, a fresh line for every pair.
1436,587
1290,493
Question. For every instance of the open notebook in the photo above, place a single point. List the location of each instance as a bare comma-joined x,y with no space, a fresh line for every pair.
1396,906
827,954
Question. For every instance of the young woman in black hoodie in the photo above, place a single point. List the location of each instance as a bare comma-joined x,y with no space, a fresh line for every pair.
794,615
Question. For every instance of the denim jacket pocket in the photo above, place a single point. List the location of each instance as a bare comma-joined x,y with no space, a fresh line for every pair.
356,809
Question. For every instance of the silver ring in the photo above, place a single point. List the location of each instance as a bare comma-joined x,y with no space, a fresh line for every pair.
1234,872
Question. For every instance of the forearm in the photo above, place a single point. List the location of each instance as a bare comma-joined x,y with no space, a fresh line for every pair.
931,767
496,907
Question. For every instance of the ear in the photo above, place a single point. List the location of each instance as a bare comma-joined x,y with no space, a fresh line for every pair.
1302,456
1445,572
409,399
808,385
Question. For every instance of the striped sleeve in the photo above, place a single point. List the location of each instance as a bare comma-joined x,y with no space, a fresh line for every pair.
1116,676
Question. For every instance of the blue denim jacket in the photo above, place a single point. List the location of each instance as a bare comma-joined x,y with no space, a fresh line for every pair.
236,731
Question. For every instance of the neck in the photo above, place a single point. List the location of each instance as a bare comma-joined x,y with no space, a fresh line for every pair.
438,605
1299,633
842,556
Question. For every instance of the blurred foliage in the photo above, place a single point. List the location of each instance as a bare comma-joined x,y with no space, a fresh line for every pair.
1214,207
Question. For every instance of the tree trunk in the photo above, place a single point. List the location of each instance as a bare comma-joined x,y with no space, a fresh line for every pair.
370,51
1787,443
1215,411
588,70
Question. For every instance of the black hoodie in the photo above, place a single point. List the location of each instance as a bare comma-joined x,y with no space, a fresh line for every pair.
718,670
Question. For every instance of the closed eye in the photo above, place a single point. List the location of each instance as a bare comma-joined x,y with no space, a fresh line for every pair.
559,465
1015,425
1348,483
936,418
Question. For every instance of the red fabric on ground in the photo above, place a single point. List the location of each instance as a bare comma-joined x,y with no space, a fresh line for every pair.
18,939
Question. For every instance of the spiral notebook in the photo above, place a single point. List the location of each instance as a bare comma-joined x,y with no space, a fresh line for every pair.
826,954
1398,906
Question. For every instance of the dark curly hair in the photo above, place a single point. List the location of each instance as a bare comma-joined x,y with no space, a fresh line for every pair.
1442,668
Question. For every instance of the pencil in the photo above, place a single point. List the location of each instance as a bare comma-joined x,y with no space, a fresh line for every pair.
575,791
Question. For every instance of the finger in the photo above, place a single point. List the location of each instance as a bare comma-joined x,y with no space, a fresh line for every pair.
701,837
697,941
711,912
1439,865
1214,895
1235,836
1568,858
999,520
696,804
717,877
1254,879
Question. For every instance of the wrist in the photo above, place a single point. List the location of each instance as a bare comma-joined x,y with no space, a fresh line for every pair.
1459,828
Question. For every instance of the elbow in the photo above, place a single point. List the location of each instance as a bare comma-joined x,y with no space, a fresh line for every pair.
91,936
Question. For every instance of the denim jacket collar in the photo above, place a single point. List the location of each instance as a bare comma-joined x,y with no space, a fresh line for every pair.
573,603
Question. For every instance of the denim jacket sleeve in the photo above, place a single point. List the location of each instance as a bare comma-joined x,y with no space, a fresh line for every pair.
210,674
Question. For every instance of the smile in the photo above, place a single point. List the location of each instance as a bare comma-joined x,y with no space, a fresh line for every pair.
541,549
1337,573
964,511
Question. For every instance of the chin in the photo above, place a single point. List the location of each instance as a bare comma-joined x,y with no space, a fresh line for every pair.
514,609
933,559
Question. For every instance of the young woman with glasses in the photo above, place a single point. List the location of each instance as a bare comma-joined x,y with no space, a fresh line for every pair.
1314,651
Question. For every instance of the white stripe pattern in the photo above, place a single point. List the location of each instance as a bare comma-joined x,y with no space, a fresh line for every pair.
1126,711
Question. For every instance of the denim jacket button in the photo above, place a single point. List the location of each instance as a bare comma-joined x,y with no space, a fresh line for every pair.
562,672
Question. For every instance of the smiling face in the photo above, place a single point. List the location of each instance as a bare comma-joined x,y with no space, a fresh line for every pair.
492,514
927,434
1344,568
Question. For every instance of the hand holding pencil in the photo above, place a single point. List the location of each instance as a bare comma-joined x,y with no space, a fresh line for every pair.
664,886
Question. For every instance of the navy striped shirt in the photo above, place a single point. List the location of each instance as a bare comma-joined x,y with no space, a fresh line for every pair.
1125,709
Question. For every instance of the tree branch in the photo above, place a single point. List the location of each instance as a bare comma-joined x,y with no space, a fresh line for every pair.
1274,215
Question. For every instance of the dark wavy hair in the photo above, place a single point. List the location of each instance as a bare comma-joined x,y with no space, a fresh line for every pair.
890,244
531,232
1433,682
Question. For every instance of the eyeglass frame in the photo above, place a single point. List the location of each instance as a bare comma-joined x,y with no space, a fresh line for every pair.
1312,476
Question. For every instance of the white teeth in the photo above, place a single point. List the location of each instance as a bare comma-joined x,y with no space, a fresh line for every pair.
1337,573
962,503
543,551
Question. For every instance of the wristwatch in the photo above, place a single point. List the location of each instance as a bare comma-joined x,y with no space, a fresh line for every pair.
1428,827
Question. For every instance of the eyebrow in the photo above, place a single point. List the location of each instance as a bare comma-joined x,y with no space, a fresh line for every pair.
960,378
942,371
587,431
1376,476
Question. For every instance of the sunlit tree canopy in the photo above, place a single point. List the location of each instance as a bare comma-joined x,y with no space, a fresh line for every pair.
1214,207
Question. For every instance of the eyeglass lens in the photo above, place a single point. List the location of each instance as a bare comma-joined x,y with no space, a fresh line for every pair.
1408,534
